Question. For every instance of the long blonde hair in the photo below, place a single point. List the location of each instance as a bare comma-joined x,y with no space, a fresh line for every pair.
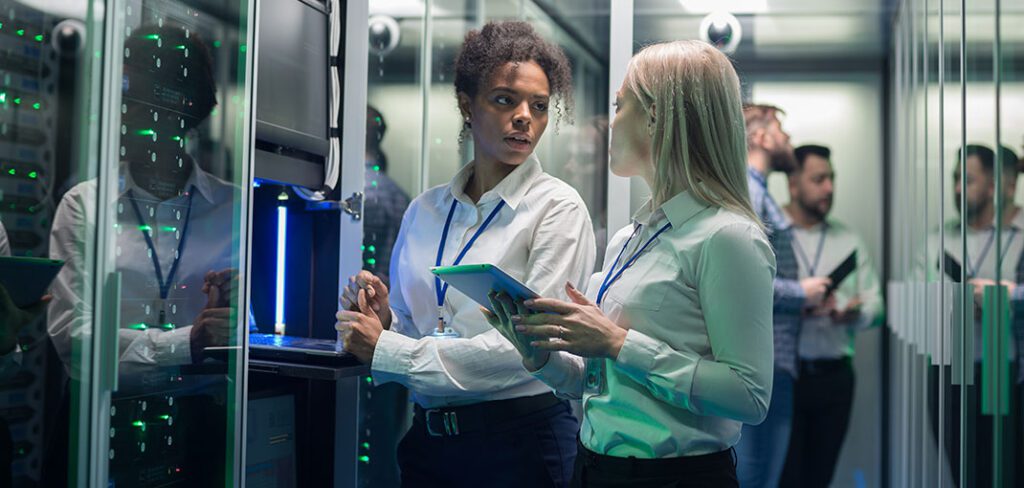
691,92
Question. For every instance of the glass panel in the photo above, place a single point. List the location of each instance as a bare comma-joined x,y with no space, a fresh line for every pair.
48,95
173,221
1010,94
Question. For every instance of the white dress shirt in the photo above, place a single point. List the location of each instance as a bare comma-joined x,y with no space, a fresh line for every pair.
210,241
982,263
697,360
821,337
543,237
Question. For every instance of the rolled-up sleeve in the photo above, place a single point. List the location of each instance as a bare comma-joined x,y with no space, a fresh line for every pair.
735,275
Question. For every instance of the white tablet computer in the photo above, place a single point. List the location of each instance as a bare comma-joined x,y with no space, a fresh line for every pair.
478,280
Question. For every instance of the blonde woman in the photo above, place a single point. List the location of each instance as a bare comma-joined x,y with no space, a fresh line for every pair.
671,348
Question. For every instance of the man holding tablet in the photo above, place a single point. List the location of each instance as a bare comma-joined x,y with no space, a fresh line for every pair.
823,394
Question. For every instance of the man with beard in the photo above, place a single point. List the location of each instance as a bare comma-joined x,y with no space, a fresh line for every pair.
981,266
761,451
823,394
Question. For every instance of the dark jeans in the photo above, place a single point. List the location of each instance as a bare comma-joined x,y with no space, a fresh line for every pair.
980,435
823,398
536,450
761,451
594,470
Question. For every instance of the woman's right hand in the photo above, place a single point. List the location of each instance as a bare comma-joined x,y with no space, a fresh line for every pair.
504,308
376,296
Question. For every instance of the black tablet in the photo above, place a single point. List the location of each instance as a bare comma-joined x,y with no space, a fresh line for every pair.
26,279
842,271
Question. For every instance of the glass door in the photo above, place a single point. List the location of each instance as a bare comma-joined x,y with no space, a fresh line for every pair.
173,211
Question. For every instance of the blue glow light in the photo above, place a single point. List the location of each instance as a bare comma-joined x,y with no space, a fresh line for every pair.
282,231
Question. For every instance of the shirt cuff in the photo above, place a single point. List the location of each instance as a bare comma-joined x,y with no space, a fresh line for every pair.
639,356
554,371
172,347
392,357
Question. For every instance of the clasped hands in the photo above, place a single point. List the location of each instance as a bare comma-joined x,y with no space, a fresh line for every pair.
537,327
365,314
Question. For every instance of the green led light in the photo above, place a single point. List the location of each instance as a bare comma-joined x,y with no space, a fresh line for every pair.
376,167
1,25
362,248
3,97
168,228
168,326
36,106
365,459
12,172
180,47
146,132
145,228
371,261
33,175
282,196
176,138
369,379
139,423
20,32
373,183
152,37
366,445
373,249
17,100
138,326
241,48
216,43
165,417
39,38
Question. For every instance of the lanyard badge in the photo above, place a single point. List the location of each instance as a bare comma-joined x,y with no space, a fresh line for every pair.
441,289
160,303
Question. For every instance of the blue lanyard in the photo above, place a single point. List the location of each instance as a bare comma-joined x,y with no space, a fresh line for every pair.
612,275
972,271
811,268
442,289
165,286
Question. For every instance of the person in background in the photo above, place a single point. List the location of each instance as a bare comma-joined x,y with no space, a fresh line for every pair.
668,366
761,451
823,394
385,201
981,267
480,419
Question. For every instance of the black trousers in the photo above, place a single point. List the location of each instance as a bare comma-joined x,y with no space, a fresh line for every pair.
594,470
823,398
536,451
980,434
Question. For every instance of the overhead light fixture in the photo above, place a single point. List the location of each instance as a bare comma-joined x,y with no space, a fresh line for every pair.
722,30
733,6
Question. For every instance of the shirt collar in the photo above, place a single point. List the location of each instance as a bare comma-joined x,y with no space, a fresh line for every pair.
511,190
199,179
678,210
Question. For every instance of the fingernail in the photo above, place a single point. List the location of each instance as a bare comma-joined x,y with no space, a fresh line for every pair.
520,328
570,285
529,302
516,318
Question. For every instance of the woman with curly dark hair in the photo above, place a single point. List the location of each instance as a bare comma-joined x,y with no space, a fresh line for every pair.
480,418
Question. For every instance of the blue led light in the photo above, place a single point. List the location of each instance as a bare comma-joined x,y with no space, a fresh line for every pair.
282,231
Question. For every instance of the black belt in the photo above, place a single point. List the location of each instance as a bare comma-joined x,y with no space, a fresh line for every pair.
812,366
451,421
658,467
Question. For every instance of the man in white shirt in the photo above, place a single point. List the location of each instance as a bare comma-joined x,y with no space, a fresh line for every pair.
173,236
823,394
982,266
